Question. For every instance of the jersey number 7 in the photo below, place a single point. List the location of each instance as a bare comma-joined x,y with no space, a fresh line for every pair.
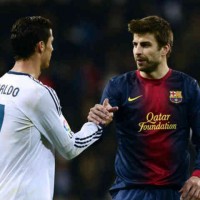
2,108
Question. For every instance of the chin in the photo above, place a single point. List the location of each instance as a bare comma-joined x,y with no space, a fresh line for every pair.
141,68
147,69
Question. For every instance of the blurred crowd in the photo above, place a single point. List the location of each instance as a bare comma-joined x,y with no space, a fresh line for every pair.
92,44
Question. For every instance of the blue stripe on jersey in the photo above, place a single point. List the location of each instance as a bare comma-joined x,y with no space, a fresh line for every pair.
55,99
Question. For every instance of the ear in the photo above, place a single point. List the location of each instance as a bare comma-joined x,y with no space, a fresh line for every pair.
40,47
165,49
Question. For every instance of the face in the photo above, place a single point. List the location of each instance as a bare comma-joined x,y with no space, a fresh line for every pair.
147,54
46,57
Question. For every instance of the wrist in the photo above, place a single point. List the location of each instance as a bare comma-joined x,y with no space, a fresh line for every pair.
196,172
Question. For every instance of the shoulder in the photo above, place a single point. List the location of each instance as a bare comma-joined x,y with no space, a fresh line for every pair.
37,88
187,83
28,85
46,93
183,77
123,78
35,93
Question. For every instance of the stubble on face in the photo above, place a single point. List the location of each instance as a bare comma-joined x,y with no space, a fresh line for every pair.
148,67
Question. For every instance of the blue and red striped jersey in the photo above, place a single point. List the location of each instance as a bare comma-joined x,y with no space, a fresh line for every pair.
153,126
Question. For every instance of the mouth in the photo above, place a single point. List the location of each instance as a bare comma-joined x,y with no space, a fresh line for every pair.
140,61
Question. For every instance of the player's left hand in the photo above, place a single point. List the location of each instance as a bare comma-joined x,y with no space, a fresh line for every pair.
191,189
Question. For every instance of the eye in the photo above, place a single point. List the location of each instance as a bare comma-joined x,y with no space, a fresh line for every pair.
145,44
134,44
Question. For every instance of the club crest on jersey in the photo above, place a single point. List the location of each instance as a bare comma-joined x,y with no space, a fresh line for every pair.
175,96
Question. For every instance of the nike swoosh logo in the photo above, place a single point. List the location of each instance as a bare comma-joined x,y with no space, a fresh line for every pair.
133,99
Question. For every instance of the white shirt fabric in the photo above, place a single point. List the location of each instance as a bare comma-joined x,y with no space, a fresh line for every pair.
30,111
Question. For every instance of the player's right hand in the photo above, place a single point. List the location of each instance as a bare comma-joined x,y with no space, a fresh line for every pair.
102,114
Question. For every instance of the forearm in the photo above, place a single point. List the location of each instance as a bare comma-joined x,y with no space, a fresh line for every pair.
70,144
81,140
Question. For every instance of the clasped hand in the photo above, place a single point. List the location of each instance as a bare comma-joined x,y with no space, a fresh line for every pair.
102,114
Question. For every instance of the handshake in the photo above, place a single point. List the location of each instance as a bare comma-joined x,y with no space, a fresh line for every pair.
102,114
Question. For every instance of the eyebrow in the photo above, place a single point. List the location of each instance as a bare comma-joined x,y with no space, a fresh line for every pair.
143,42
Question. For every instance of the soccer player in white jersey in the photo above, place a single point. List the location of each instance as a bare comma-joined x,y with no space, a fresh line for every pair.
29,111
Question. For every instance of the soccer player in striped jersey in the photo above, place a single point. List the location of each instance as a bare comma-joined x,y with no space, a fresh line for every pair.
30,111
158,108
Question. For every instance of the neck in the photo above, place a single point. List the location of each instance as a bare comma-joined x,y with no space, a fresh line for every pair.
30,66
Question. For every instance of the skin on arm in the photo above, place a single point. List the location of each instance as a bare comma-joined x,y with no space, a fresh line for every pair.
102,114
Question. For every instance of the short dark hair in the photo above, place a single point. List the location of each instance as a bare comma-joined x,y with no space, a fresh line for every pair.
26,32
155,25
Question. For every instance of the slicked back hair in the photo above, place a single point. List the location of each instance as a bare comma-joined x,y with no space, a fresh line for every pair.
26,32
155,25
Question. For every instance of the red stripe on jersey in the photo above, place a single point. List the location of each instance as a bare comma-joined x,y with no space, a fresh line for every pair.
157,141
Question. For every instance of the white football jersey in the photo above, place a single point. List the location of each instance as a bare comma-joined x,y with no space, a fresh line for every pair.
30,111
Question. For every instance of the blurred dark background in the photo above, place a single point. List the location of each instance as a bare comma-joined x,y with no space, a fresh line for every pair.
91,45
